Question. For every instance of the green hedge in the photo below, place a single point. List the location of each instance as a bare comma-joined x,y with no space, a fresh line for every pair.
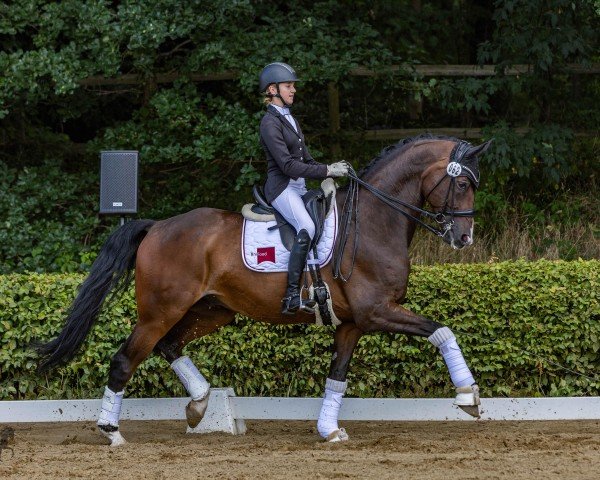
514,320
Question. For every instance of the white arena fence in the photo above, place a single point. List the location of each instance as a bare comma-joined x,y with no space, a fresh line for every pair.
227,413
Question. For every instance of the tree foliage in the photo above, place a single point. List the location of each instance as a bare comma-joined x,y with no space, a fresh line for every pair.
198,141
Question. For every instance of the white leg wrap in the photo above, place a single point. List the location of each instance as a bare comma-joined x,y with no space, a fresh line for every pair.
444,339
193,381
328,418
111,408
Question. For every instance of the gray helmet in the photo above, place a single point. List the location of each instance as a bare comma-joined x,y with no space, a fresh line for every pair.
276,73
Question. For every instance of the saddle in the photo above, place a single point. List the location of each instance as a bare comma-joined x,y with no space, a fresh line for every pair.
318,203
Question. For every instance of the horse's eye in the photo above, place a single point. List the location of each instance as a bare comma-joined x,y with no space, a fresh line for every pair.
462,186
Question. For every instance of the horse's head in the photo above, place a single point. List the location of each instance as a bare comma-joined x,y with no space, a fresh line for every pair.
449,187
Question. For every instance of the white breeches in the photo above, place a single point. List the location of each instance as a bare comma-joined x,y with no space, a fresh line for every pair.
290,205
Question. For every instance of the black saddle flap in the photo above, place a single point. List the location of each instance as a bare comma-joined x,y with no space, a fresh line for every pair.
286,231
317,206
261,200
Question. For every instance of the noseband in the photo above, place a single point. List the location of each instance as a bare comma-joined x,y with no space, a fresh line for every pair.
445,218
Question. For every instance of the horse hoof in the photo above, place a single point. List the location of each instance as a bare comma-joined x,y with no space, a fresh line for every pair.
114,436
472,410
338,435
194,411
467,398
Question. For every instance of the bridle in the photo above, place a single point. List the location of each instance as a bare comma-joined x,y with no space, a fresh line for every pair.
444,218
454,170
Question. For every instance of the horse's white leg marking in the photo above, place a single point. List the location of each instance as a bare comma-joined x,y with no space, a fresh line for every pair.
467,391
328,417
108,421
196,385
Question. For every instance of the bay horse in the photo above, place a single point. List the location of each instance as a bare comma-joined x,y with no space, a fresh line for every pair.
190,279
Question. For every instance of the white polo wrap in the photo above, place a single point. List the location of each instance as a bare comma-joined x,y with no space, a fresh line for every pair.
193,381
444,339
111,408
332,401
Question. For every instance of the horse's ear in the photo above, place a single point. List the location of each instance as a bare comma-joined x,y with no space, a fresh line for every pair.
479,149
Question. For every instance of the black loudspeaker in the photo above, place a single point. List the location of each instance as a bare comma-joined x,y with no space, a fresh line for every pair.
118,182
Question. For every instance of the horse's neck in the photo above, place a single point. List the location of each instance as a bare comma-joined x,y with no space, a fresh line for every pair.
403,184
382,227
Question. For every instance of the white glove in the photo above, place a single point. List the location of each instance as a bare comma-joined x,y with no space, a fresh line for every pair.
338,169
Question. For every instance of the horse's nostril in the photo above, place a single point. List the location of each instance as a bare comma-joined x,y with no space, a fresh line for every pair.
465,238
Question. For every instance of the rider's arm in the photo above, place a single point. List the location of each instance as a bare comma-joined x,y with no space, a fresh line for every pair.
271,133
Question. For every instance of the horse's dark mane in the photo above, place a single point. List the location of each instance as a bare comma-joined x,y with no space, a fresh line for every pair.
392,151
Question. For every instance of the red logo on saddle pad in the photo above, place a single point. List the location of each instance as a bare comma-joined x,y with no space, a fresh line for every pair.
265,254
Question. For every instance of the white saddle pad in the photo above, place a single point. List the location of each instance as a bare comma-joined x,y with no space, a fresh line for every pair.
263,251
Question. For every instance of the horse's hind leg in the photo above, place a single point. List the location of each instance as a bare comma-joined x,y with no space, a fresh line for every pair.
345,340
199,321
146,334
131,353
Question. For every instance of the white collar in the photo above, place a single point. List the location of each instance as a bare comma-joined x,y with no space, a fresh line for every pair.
282,110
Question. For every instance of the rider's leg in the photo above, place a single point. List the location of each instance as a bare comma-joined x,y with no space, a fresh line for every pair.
291,301
289,203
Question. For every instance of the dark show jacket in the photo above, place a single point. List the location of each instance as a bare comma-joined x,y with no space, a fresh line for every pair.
287,155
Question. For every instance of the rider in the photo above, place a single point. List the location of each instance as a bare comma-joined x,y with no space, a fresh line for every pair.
288,164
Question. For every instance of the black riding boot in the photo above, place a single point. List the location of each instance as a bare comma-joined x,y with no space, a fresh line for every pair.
291,301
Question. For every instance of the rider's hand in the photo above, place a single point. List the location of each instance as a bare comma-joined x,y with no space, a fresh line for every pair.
338,169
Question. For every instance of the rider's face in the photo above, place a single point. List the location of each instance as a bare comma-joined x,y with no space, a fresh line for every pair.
286,90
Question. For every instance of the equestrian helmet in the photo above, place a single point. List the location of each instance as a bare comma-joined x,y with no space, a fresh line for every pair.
276,72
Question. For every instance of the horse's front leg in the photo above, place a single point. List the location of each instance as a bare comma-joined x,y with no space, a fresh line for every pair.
396,319
345,340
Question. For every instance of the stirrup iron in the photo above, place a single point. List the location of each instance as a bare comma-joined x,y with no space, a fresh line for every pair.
308,304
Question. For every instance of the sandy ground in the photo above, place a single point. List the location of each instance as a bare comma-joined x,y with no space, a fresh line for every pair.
292,450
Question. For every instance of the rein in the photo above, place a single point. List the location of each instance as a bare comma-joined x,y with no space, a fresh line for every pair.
445,218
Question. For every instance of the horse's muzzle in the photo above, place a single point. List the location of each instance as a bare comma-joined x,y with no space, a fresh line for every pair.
452,238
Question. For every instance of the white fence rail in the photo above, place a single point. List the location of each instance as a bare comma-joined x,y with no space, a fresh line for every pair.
226,412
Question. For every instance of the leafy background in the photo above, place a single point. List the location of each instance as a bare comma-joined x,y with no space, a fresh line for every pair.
198,141
198,146
515,321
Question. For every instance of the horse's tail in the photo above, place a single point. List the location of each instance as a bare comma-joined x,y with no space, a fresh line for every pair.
112,269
